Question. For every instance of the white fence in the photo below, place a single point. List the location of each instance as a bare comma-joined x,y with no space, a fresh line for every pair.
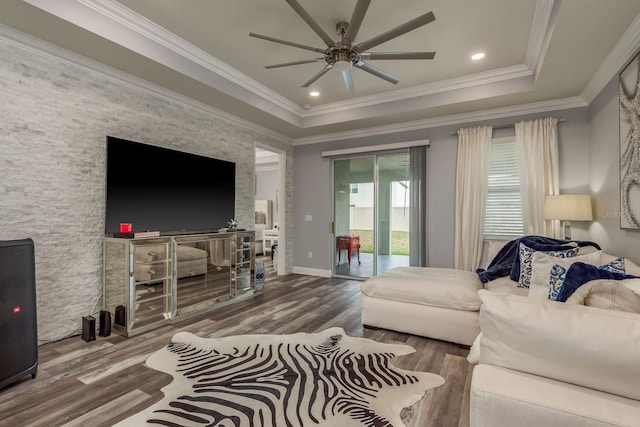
362,218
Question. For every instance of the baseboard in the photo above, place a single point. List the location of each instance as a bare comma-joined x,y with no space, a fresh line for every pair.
312,271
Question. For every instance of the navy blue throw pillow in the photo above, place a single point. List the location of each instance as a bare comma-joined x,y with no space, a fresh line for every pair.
580,273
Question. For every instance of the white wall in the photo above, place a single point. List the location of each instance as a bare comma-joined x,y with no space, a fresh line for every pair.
605,177
53,125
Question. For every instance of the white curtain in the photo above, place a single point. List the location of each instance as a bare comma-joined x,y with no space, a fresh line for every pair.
537,145
472,173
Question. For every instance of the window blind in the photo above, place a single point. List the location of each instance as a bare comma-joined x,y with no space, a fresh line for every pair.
503,216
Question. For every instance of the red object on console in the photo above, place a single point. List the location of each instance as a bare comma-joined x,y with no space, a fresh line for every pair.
125,227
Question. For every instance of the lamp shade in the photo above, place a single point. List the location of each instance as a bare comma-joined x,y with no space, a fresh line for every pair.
569,207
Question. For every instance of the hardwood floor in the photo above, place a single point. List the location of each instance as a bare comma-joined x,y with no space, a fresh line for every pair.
104,381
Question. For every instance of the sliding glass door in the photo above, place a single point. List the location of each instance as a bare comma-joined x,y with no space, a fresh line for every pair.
373,214
393,211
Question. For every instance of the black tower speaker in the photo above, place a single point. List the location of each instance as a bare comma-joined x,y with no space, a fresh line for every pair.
18,325
89,328
105,323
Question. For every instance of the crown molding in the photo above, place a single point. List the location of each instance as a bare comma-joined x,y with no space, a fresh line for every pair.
157,34
619,56
439,87
128,29
50,51
123,26
516,83
544,21
456,119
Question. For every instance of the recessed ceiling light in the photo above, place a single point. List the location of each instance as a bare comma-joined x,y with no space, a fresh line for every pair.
314,93
477,56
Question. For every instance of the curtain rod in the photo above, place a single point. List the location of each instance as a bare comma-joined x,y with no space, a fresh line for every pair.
511,125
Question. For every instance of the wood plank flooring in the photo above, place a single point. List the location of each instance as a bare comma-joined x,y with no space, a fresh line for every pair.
104,381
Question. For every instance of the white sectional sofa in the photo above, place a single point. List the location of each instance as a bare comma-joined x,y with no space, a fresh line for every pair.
439,303
541,363
555,365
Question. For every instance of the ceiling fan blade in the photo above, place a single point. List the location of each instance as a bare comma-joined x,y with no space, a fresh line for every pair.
377,72
310,22
348,81
306,61
318,75
301,46
397,55
396,32
356,20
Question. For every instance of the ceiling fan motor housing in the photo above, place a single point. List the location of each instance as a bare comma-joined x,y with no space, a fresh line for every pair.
343,54
342,58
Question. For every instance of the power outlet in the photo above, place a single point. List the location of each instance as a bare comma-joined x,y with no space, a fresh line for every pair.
310,254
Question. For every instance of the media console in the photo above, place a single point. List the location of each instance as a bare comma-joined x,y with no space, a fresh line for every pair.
149,282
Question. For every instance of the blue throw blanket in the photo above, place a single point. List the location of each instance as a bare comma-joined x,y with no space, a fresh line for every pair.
501,265
580,273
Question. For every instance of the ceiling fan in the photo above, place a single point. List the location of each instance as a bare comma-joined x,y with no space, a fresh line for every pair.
343,54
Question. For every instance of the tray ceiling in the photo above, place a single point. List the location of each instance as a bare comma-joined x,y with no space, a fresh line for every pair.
539,54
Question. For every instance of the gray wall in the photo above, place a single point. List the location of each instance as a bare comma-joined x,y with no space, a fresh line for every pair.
312,192
605,177
53,126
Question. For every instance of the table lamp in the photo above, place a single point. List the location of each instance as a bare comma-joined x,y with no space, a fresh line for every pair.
567,208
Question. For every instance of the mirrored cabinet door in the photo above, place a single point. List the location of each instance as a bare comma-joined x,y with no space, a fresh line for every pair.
244,275
203,272
150,282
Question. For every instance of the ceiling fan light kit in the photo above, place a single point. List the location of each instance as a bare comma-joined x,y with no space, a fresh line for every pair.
342,55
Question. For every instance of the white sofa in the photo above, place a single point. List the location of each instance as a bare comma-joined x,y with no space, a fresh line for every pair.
541,362
545,363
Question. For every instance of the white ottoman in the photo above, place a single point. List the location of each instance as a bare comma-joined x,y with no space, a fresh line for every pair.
440,303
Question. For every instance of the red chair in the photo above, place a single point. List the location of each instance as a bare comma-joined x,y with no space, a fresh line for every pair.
350,244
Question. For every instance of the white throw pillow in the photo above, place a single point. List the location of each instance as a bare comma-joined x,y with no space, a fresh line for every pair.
548,273
526,261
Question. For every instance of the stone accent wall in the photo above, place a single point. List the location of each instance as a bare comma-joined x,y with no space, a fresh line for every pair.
54,119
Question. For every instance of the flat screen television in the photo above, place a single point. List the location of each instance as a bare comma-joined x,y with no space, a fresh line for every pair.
159,189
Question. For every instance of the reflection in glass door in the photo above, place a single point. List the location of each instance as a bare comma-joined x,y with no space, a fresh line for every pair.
393,211
371,214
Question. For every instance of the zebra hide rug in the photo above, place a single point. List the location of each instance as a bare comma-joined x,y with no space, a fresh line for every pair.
322,379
